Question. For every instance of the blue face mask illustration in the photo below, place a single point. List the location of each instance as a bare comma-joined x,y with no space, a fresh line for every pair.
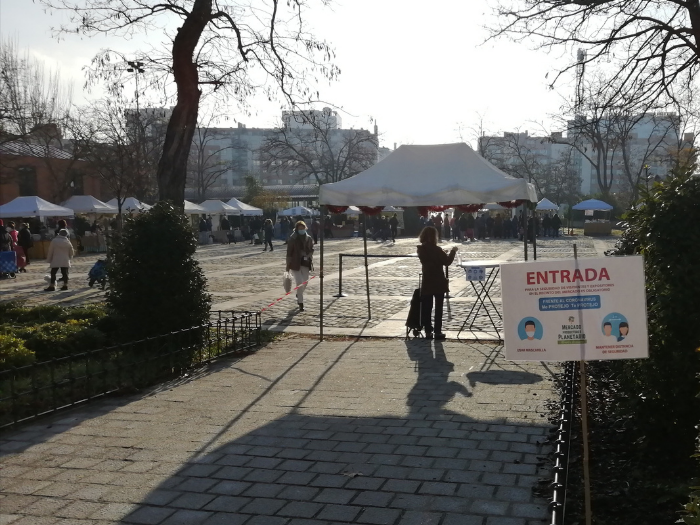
301,232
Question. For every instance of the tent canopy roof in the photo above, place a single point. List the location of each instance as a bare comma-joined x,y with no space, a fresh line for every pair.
546,204
593,204
33,207
219,207
130,204
246,209
430,175
299,210
88,204
193,209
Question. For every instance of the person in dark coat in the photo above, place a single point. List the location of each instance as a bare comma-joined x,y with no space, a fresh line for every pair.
394,224
547,226
498,227
437,222
315,227
269,232
463,226
25,240
434,285
556,224
284,229
448,228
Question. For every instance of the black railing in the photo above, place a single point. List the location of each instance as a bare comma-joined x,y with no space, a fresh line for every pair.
562,444
369,256
32,391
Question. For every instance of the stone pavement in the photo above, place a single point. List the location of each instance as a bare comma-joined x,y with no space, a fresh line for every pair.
242,277
299,433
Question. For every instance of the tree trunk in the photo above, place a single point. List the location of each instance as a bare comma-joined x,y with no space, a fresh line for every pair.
172,168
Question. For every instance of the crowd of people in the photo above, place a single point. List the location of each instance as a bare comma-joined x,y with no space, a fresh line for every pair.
466,226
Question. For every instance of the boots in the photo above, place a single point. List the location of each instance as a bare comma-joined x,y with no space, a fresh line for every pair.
64,287
51,288
301,307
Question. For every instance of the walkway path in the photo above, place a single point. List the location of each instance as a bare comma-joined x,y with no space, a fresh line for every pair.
372,432
242,277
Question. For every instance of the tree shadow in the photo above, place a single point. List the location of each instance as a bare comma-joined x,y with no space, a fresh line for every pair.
428,466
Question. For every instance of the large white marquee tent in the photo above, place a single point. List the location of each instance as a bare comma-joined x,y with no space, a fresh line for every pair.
246,209
424,175
89,204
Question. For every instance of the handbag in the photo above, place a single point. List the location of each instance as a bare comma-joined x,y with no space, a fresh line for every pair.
287,282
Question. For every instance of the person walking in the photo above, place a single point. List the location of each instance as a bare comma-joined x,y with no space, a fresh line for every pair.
314,229
300,249
434,285
203,231
327,227
394,225
446,225
59,256
269,232
24,239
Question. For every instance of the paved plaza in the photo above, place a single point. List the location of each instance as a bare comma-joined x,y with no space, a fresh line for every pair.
243,277
375,431
372,430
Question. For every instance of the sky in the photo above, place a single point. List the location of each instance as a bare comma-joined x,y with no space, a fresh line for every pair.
422,71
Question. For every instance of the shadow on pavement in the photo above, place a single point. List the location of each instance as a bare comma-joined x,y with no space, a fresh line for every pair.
430,466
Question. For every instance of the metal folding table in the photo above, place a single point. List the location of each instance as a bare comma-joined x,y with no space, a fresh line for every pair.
481,275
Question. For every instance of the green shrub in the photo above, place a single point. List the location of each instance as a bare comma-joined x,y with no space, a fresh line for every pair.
13,352
155,284
60,339
661,391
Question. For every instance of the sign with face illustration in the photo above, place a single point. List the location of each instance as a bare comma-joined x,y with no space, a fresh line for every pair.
573,309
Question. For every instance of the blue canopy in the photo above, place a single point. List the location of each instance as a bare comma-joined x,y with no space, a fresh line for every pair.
593,204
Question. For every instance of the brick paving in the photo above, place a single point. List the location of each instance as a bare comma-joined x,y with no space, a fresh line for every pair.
378,431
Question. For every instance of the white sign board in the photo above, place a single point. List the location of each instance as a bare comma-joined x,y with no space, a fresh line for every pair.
573,309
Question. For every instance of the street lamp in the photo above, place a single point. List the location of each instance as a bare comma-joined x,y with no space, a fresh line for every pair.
136,67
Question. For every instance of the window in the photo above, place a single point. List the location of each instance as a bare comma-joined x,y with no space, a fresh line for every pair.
76,183
26,181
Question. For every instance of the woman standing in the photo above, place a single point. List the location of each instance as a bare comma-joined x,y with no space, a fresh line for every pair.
269,232
59,256
21,261
434,285
300,249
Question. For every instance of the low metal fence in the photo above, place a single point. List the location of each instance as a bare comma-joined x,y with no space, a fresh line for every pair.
46,387
562,444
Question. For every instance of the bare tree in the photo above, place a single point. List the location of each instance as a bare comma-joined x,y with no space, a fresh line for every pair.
318,151
122,148
561,181
232,48
210,157
654,43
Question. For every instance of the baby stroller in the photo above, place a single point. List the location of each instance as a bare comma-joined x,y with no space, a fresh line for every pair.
413,322
98,273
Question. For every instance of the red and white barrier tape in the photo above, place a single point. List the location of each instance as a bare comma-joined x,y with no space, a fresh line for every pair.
285,295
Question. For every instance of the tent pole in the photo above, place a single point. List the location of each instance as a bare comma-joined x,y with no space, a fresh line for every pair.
320,313
525,232
364,237
534,234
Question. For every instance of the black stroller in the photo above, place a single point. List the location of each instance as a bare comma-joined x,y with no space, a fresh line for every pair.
413,322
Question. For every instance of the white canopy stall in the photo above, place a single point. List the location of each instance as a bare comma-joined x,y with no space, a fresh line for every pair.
302,211
33,207
193,209
89,204
442,175
246,209
546,205
219,208
130,205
